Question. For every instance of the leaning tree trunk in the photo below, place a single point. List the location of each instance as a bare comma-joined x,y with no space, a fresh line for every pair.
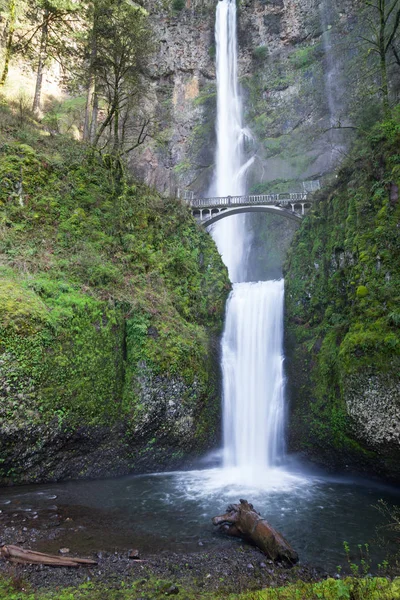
42,61
242,520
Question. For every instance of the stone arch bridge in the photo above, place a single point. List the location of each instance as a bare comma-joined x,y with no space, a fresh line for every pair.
290,205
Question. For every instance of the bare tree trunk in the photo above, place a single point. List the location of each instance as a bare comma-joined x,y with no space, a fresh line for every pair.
116,132
8,49
15,554
90,100
89,108
382,58
42,61
95,113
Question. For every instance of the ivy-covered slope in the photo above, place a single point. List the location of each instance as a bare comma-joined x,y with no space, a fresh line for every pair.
110,302
343,314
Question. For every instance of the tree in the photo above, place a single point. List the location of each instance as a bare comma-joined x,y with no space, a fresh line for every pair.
12,17
57,21
383,22
49,35
120,43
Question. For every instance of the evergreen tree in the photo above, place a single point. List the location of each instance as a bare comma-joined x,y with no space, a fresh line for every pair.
119,45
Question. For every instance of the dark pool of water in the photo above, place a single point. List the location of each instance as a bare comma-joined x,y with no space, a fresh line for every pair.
172,512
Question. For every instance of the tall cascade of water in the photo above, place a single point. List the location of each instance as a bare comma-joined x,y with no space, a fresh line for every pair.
252,359
231,167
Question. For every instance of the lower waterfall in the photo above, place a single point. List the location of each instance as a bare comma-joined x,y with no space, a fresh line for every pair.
253,379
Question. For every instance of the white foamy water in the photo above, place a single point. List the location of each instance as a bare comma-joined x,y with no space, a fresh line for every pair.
253,379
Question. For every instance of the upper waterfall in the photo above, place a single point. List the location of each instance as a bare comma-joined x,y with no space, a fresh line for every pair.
231,164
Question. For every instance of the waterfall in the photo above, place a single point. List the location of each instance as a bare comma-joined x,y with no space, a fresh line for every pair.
252,359
231,166
253,376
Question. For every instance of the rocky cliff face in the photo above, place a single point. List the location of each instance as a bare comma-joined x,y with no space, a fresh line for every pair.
181,75
291,62
342,322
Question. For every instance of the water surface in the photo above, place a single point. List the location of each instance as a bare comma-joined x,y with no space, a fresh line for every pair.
171,512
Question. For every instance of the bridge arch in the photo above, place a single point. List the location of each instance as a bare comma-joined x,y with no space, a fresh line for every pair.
227,212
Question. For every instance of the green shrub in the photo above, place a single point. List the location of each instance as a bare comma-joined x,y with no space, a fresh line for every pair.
178,5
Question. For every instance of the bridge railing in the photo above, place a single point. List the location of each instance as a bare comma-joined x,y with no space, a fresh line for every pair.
284,198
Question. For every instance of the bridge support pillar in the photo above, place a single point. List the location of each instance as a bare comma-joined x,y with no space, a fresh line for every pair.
302,208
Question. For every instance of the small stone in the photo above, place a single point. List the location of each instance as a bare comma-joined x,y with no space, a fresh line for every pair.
24,529
172,590
250,566
263,565
200,544
63,551
134,554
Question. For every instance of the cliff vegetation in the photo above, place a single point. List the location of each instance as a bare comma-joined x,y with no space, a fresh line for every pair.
109,300
343,297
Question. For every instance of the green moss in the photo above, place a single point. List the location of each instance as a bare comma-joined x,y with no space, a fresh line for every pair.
362,291
330,589
342,292
98,278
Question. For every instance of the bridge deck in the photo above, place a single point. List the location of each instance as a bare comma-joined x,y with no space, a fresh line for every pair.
275,199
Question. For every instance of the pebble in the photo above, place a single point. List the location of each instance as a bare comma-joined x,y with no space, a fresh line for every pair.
250,566
200,544
134,554
172,590
64,551
263,565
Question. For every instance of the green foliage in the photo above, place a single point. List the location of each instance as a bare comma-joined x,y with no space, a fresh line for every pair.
304,56
330,589
343,290
97,281
362,291
260,53
178,5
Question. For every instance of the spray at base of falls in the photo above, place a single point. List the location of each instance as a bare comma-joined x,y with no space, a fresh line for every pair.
252,359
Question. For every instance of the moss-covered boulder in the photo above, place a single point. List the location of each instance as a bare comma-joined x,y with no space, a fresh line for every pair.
343,298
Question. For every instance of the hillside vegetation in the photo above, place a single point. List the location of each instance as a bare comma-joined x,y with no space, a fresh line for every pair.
109,295
343,297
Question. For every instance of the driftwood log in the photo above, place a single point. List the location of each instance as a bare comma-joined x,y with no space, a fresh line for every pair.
15,554
241,520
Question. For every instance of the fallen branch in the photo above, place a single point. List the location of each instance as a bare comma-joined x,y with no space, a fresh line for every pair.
19,555
242,520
